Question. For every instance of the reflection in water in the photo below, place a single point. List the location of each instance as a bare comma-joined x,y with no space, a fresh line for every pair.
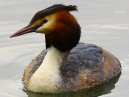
93,92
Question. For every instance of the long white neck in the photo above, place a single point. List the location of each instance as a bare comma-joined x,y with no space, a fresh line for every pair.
47,77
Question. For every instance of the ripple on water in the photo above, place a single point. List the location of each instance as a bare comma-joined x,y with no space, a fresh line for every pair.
108,27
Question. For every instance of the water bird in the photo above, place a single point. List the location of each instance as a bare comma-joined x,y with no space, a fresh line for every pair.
66,64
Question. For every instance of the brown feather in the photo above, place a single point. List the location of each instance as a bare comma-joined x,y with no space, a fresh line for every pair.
110,68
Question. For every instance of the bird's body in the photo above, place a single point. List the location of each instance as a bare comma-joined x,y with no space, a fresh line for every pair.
86,66
66,64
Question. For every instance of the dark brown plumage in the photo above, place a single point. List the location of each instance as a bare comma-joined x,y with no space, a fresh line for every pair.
51,10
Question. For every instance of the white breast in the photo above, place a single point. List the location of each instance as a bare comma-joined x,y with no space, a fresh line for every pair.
47,77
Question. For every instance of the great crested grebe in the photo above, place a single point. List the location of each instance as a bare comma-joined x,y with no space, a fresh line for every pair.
66,64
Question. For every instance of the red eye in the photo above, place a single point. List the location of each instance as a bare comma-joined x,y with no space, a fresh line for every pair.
45,21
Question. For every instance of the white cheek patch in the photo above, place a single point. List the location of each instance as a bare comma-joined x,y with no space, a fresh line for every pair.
46,27
40,29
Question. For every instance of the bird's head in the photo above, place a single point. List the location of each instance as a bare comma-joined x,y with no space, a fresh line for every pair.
58,24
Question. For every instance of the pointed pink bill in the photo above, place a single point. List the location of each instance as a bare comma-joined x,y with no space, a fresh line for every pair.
25,30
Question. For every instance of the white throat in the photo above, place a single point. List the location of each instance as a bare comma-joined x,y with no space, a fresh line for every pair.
47,77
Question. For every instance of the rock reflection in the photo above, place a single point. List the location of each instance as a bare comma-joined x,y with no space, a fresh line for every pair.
93,92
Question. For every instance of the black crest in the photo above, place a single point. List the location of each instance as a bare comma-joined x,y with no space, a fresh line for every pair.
52,9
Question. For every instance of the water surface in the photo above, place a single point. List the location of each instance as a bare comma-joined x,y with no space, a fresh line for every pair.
103,22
